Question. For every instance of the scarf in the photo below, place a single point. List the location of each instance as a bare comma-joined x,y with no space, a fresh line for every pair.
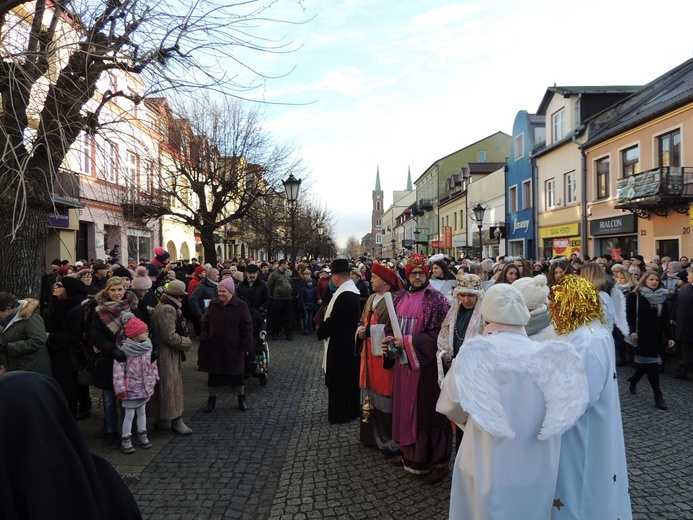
110,313
7,319
655,298
134,348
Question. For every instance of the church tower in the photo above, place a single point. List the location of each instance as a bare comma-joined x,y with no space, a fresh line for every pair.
377,217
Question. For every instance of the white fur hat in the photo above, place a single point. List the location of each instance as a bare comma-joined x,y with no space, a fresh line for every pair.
504,304
534,290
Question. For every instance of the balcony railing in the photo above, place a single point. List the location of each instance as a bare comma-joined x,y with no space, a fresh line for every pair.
426,204
656,190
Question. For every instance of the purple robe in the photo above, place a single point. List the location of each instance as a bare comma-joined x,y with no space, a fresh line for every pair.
424,435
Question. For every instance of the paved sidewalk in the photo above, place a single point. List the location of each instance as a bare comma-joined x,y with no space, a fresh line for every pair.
283,460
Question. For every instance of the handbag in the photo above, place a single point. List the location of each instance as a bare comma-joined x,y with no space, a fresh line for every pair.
319,317
634,342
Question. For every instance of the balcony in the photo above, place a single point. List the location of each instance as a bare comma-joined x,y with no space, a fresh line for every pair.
416,210
426,204
66,189
656,191
141,205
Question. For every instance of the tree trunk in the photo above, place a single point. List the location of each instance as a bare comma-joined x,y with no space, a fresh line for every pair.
209,245
22,259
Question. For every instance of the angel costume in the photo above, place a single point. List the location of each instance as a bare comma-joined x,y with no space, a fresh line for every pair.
514,398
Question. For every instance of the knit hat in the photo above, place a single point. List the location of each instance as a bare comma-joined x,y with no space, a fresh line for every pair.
356,271
152,269
440,257
134,327
199,269
487,265
504,304
534,290
225,271
73,286
175,288
57,261
141,280
98,266
683,276
122,272
673,266
416,261
161,256
468,284
386,274
228,284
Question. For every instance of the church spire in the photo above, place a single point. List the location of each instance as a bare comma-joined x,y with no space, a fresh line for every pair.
409,185
377,180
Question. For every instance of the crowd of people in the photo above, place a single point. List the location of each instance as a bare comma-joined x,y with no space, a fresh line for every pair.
406,341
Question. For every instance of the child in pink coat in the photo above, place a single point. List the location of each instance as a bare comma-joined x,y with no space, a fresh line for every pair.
134,380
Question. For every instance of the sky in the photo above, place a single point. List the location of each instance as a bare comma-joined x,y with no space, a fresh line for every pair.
398,84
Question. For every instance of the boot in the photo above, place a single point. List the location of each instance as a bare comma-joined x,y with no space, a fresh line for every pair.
126,444
631,387
143,439
242,405
659,402
211,403
178,426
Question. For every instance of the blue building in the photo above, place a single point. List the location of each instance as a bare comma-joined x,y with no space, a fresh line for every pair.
520,190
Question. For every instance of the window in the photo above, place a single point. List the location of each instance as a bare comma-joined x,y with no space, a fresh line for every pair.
461,219
480,157
630,159
670,149
570,188
378,238
550,190
377,205
512,199
130,168
519,146
377,223
558,125
454,220
110,166
602,168
527,194
86,156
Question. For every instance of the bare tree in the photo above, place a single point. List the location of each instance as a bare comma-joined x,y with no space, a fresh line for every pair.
53,55
353,247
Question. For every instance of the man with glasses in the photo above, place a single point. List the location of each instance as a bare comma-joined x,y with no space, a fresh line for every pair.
424,435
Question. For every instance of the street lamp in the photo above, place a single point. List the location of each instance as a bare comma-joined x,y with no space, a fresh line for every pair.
320,229
479,211
393,246
416,239
329,247
291,187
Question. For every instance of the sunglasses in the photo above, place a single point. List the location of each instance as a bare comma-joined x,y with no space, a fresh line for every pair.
419,274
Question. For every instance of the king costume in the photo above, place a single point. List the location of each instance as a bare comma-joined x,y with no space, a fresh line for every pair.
424,435
375,381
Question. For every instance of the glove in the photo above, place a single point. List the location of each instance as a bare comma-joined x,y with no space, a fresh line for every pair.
154,355
121,396
3,347
119,355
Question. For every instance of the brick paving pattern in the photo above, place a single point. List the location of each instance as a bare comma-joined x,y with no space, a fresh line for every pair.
283,460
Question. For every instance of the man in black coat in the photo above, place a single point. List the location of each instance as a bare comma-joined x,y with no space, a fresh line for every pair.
254,291
339,330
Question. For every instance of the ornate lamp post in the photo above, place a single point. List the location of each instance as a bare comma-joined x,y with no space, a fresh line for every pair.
416,239
393,246
479,211
291,187
320,229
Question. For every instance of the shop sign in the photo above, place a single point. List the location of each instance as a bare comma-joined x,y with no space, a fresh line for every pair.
566,230
459,241
623,224
447,237
436,244
520,225
59,218
566,246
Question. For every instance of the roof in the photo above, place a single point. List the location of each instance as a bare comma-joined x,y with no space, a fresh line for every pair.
485,167
665,93
570,91
536,119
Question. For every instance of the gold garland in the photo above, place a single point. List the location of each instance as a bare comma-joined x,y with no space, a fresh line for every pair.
575,302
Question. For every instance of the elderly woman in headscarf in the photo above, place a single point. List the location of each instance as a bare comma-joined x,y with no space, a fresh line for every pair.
535,291
22,336
462,321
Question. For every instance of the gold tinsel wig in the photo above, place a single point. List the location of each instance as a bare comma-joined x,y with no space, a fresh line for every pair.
575,302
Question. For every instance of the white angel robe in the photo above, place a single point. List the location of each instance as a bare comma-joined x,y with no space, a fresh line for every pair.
513,397
592,475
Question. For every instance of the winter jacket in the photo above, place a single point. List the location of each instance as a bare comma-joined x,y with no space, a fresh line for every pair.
136,377
257,296
65,326
205,290
280,284
227,334
25,336
307,297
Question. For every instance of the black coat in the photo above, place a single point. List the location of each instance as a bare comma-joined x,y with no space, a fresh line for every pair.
650,328
65,325
205,290
682,314
256,296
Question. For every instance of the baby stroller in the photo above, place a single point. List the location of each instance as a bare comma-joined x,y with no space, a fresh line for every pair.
256,363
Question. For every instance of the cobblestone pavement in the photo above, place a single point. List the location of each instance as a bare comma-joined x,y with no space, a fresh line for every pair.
283,460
